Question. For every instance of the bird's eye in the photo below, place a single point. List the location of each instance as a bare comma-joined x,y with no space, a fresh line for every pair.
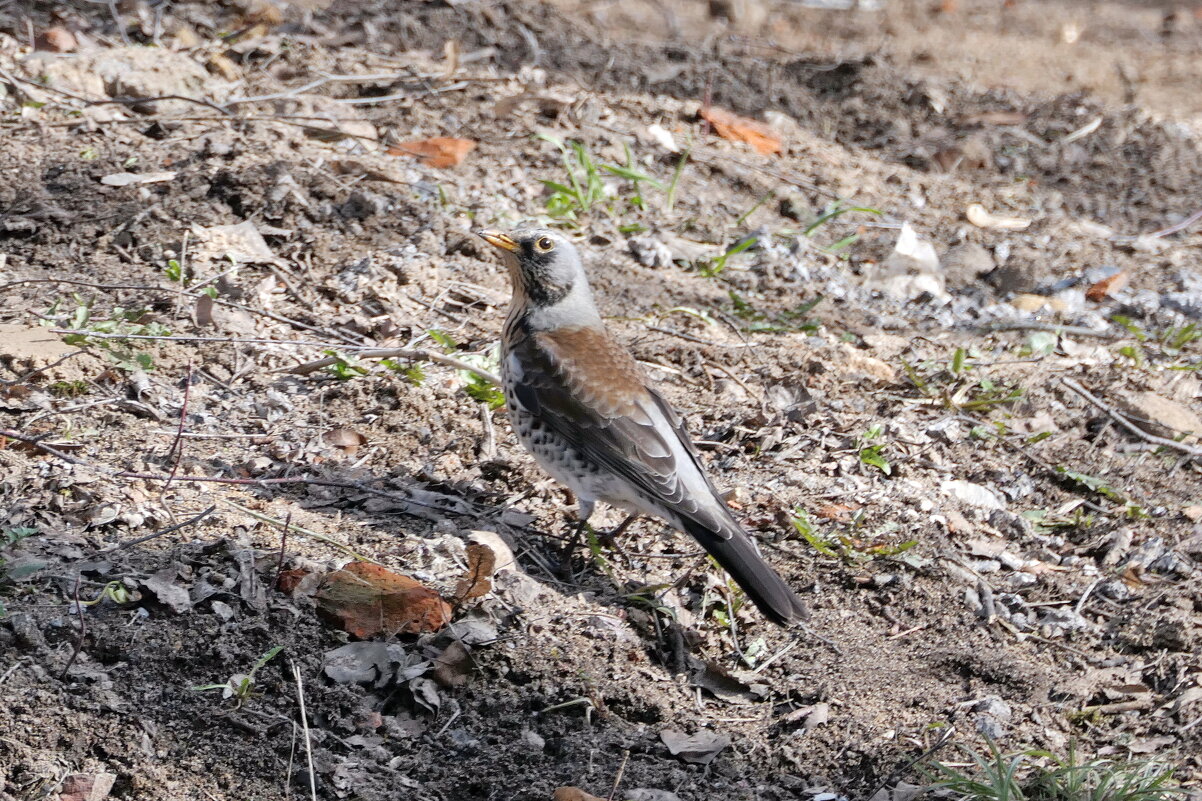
544,244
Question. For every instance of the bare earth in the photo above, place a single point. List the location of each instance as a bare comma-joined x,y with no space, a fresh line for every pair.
994,473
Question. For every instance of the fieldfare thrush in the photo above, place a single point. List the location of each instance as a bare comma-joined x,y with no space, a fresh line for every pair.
580,404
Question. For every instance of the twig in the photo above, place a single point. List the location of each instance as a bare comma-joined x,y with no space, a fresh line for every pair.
1117,417
37,443
300,697
1070,330
944,738
700,340
83,631
416,355
264,518
234,340
164,532
177,445
279,565
618,778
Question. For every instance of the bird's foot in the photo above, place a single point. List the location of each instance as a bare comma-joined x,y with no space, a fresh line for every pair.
609,539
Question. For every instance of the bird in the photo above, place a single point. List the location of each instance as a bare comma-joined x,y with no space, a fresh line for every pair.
583,407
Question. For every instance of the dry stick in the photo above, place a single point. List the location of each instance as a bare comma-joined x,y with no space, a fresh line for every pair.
279,565
944,738
141,287
162,533
618,778
177,445
260,482
233,340
1070,330
300,696
1117,417
83,631
416,355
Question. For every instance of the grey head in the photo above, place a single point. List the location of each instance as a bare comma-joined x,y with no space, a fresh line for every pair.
547,276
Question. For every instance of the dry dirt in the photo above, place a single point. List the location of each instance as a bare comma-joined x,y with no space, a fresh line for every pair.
988,549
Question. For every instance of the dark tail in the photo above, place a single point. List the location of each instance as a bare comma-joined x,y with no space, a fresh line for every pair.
735,551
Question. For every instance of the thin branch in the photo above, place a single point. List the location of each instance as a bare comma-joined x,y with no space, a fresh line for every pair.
300,697
1070,330
177,445
279,565
169,530
402,353
1118,417
83,631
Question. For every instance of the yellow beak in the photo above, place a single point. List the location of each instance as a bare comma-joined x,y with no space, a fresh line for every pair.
499,240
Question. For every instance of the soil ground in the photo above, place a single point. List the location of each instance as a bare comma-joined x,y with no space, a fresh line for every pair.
981,544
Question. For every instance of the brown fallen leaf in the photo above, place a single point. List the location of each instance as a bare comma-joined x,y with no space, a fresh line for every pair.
289,580
839,512
995,118
741,129
477,581
56,40
441,151
365,599
344,439
573,794
1105,288
453,666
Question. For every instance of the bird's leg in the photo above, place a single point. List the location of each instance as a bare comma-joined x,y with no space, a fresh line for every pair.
585,511
610,538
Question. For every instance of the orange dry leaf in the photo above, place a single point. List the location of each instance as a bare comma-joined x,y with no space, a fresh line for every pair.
56,40
364,599
740,129
289,580
481,562
441,151
839,512
1108,286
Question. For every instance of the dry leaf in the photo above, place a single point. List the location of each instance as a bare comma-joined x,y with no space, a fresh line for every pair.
740,129
839,512
289,580
573,794
1108,286
344,439
441,151
481,563
56,40
978,216
131,178
365,599
995,118
204,311
453,666
699,748
450,52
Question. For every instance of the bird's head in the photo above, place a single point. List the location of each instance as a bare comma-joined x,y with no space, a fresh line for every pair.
543,265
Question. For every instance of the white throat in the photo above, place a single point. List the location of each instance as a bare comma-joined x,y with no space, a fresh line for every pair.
576,310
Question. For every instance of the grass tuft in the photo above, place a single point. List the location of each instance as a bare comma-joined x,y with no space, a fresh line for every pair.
1041,776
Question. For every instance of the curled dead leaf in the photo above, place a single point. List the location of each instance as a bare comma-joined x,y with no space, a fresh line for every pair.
839,512
56,40
982,218
365,599
741,129
289,580
573,794
344,439
477,581
1105,288
453,666
440,151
